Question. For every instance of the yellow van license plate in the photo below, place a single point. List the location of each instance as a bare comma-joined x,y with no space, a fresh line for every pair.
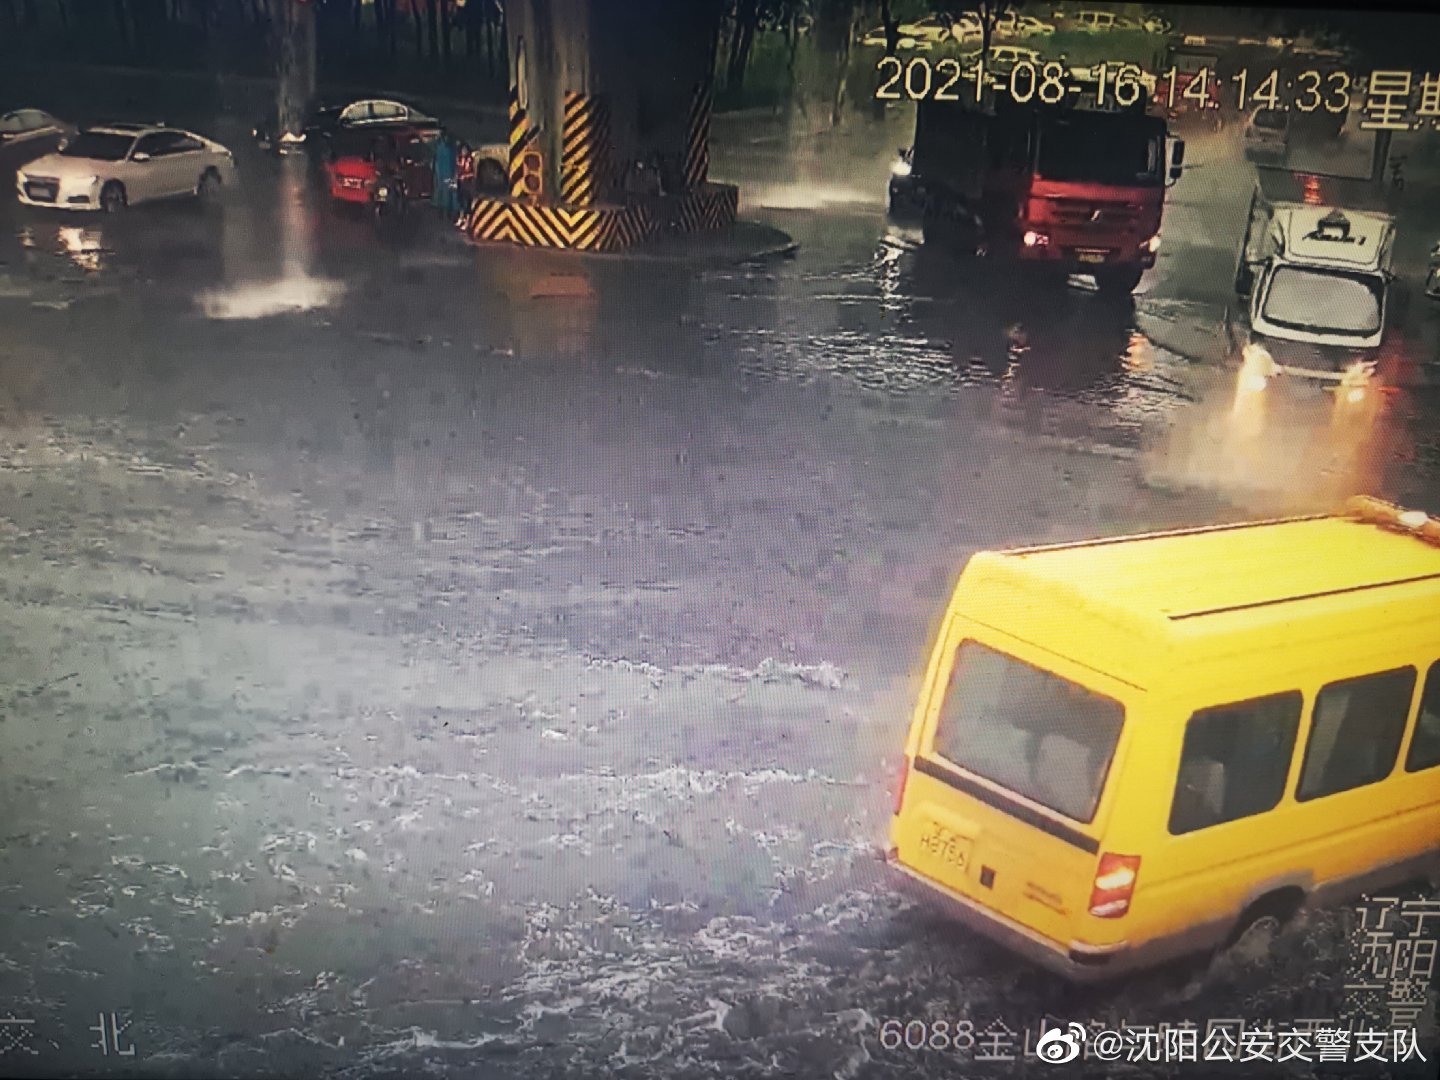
948,847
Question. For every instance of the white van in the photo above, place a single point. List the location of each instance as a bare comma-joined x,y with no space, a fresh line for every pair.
1317,273
1093,22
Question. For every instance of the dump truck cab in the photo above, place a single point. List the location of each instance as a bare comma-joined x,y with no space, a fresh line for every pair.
1058,189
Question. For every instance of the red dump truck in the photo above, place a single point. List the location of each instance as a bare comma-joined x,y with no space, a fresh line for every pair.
1055,189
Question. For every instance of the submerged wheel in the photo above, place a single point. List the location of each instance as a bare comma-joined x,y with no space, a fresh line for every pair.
489,176
1244,279
112,197
1119,281
209,188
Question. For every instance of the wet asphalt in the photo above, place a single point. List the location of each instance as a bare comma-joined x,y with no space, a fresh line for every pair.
498,666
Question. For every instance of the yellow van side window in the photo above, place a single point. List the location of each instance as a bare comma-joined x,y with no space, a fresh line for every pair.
1425,746
1041,736
1355,732
1235,761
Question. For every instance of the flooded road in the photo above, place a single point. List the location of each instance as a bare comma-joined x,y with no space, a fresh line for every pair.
420,658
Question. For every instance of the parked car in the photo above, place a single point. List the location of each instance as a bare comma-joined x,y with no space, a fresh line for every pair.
927,32
491,166
1092,22
1003,59
354,159
1012,24
326,119
24,124
874,38
1267,133
1156,24
118,165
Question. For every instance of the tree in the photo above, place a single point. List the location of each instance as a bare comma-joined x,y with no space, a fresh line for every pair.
744,20
891,26
987,11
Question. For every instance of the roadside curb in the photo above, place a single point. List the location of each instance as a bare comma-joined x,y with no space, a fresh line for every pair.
747,242
1183,333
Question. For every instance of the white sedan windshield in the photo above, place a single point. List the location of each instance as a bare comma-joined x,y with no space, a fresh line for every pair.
1324,301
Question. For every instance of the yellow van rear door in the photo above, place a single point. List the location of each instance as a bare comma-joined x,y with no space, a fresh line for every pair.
1003,802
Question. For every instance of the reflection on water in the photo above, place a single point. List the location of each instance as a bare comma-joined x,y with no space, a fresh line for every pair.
822,196
84,247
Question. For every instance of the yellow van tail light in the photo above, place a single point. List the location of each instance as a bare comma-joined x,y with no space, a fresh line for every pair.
900,789
1114,885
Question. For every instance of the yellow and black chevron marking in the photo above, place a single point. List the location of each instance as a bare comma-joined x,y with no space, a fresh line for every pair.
578,229
524,156
711,206
627,227
697,138
585,149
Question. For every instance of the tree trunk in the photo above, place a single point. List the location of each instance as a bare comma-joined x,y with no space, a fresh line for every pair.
892,28
29,14
447,24
419,29
62,8
747,14
842,73
122,23
434,13
385,26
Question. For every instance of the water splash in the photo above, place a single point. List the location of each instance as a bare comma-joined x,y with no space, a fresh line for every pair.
296,289
260,300
807,196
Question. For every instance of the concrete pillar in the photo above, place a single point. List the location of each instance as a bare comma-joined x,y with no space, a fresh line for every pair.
597,86
628,72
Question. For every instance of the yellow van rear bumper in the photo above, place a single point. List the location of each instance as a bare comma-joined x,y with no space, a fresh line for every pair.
1077,962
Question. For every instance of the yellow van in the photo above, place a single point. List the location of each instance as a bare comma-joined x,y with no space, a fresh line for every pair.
1128,750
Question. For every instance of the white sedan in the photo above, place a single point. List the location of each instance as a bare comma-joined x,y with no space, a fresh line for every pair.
1013,25
23,124
117,165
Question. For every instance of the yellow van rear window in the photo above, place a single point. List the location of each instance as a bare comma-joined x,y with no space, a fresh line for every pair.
1039,735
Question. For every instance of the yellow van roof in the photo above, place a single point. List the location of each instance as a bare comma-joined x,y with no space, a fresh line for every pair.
1126,604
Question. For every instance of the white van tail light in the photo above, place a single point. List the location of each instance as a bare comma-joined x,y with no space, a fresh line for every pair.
1114,885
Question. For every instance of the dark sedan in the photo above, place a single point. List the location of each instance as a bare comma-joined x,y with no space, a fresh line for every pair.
325,120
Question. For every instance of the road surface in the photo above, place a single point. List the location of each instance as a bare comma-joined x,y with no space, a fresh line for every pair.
501,665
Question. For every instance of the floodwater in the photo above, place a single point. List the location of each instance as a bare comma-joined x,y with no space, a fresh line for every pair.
428,659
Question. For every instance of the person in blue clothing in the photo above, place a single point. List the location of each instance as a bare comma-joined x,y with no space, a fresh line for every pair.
447,194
